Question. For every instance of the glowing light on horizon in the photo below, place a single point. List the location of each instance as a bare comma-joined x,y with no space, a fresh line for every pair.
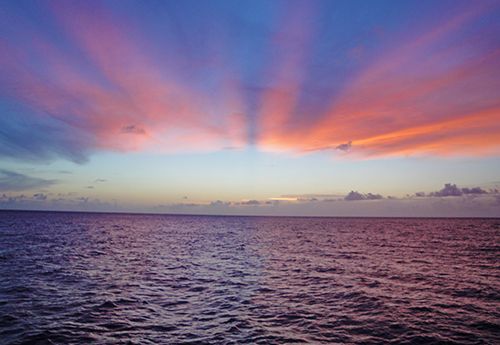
284,199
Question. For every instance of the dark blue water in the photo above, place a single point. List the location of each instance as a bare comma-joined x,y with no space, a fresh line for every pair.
69,278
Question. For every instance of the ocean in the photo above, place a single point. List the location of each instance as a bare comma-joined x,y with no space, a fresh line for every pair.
83,278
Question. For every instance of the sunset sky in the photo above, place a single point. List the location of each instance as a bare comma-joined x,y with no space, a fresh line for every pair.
342,108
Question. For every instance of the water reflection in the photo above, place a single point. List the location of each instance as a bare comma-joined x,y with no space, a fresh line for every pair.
97,278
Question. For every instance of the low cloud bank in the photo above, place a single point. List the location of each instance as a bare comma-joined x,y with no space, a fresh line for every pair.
354,196
452,190
450,201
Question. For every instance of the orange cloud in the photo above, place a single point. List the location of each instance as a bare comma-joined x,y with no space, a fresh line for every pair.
117,93
428,96
107,81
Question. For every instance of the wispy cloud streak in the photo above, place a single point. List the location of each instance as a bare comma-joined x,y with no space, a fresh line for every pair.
14,181
436,92
82,77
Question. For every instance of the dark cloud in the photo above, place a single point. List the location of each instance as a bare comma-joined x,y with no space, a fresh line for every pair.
90,187
353,196
344,147
40,196
9,200
13,181
474,190
133,129
452,190
448,190
250,202
220,203
371,196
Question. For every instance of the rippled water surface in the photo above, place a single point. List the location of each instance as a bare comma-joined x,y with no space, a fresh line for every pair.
70,278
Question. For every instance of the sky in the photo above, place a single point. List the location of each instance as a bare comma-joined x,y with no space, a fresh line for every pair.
310,108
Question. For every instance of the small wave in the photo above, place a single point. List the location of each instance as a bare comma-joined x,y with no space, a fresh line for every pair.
236,280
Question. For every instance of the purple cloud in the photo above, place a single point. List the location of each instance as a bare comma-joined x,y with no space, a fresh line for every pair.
354,196
452,190
344,147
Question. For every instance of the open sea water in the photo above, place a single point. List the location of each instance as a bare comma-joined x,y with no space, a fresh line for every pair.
76,278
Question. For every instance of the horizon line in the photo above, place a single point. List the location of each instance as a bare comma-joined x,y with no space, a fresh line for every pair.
238,215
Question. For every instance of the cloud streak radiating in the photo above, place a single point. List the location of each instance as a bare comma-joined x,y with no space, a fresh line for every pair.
301,76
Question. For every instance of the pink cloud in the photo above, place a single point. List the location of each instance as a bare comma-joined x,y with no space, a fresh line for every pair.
427,96
103,78
119,87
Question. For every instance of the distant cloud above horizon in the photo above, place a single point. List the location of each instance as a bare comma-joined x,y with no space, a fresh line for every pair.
353,196
79,77
451,189
450,201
